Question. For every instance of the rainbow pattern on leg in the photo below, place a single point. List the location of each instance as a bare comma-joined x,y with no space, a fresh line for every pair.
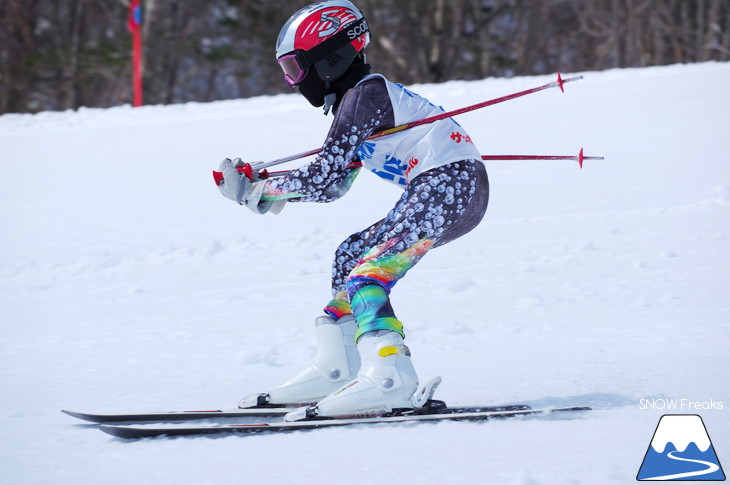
339,306
370,282
372,310
386,269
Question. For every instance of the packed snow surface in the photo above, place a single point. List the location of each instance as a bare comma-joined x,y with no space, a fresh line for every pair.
127,283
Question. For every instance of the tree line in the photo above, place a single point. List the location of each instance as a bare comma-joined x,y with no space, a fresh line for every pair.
63,54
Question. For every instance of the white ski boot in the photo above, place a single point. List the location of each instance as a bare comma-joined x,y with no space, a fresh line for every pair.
335,363
386,380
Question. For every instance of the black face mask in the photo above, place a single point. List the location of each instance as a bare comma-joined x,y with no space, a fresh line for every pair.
315,89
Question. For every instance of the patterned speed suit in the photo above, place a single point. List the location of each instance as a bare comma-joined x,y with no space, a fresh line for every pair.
438,205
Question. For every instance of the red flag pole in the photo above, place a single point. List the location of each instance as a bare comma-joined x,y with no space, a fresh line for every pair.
134,24
137,69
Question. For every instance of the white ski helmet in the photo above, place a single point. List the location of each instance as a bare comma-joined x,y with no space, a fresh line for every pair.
325,36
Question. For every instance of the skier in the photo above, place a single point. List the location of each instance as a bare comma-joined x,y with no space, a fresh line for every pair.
361,366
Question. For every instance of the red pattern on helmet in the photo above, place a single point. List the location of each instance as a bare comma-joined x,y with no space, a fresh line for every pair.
318,27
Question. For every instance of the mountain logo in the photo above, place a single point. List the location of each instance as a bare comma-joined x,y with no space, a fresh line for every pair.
680,450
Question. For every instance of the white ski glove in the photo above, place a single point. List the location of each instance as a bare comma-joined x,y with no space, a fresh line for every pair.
240,189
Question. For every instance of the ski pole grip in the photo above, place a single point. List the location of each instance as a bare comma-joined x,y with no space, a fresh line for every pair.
218,177
246,170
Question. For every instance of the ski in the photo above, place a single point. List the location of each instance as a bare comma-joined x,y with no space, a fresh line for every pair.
179,415
448,414
258,411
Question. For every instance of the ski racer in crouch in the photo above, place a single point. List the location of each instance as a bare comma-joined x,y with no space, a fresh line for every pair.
361,366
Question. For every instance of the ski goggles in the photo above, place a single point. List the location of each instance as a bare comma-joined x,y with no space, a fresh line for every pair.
295,67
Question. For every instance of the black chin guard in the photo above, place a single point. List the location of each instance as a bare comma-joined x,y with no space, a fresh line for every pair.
336,64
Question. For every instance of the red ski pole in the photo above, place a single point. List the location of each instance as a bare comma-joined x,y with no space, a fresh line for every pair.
559,84
578,158
248,169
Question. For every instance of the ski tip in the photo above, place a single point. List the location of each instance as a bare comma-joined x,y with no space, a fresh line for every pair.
571,409
93,418
135,432
119,431
77,415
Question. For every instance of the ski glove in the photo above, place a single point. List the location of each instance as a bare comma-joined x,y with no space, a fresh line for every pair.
240,189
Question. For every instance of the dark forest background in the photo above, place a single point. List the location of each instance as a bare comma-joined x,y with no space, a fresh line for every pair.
63,54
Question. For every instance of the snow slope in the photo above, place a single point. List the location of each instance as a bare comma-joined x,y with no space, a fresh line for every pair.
127,283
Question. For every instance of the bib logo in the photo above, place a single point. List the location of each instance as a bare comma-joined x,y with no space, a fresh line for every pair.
681,450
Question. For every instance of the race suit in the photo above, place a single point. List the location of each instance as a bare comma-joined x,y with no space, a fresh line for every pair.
445,195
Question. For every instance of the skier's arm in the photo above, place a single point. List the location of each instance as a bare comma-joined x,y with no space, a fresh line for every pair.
362,111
